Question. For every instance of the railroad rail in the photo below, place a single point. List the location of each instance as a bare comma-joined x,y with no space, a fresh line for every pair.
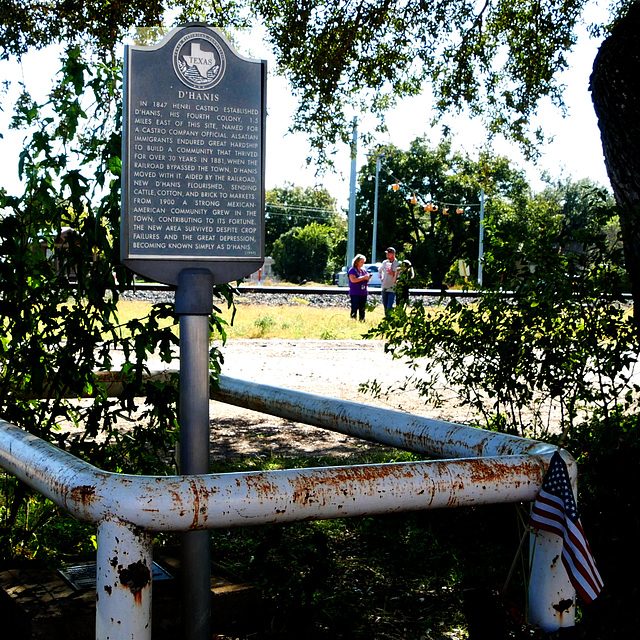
333,290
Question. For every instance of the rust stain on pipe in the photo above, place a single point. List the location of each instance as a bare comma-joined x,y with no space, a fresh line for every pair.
563,606
498,472
83,494
196,503
136,577
315,487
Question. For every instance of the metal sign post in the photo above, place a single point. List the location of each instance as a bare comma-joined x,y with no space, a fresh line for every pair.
193,217
194,301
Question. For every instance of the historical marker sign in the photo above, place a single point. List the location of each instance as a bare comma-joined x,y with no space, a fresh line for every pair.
193,175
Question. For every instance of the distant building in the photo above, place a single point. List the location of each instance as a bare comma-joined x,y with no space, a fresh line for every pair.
259,276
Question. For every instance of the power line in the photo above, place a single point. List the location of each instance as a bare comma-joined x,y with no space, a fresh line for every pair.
300,208
289,215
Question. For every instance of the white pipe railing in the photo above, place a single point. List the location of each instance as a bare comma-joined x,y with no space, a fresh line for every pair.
127,508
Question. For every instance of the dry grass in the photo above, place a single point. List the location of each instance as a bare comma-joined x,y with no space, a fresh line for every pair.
298,322
291,322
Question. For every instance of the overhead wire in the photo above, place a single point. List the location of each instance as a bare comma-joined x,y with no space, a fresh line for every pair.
427,201
306,210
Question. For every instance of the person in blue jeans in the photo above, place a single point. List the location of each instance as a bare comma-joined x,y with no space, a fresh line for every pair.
389,277
358,280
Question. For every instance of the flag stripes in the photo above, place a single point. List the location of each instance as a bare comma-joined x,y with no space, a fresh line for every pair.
555,511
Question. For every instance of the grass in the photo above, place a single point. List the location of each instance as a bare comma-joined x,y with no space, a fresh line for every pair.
293,322
298,322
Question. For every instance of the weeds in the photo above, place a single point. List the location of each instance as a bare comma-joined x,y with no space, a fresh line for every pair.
393,576
296,322
264,323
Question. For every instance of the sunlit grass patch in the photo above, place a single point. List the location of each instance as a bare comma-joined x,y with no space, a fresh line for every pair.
288,322
298,322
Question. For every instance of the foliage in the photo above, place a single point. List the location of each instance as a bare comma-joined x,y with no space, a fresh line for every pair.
291,206
608,451
39,528
302,254
579,202
423,175
100,24
573,219
60,282
555,338
499,59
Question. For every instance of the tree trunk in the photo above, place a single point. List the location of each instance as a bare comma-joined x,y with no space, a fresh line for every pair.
615,91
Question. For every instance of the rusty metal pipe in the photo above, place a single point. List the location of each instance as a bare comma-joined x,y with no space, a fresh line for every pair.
431,437
501,468
395,428
197,502
124,571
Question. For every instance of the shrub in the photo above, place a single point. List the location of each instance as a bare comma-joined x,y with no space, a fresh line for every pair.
302,254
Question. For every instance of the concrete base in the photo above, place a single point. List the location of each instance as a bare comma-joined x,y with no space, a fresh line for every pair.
38,603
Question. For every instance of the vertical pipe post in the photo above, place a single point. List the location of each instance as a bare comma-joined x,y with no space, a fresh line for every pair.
552,597
194,394
194,304
124,572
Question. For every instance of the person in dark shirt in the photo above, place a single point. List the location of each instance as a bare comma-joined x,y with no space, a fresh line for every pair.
358,291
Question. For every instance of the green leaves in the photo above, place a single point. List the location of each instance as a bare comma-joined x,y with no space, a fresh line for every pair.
290,206
61,280
409,180
302,253
550,343
498,58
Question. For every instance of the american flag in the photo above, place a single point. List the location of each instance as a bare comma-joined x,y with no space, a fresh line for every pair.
555,511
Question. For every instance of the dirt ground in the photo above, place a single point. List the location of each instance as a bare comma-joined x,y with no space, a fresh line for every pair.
324,367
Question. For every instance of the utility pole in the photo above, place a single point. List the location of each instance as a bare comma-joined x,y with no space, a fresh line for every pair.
374,241
481,238
351,222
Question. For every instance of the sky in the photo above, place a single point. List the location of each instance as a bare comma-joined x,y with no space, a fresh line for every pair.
575,152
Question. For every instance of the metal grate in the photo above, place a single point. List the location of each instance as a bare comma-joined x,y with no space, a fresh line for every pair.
83,576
